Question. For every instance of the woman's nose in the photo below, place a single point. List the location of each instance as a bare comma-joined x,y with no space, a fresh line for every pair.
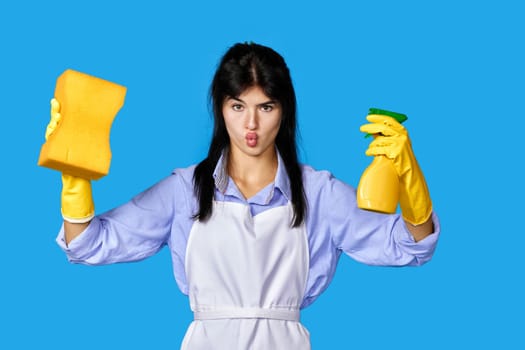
252,120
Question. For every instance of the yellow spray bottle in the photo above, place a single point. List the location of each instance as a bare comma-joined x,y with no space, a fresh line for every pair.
378,189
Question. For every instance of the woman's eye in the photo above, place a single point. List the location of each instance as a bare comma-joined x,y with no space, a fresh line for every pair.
237,107
266,108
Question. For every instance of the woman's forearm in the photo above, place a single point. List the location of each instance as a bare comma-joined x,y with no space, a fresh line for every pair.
420,231
72,230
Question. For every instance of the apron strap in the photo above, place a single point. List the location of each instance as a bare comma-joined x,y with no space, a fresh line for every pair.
242,312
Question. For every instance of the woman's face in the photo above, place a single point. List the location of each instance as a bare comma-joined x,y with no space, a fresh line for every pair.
252,121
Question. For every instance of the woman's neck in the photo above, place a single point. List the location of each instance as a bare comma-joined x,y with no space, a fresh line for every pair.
252,174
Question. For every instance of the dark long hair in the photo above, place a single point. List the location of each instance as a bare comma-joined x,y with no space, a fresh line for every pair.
242,66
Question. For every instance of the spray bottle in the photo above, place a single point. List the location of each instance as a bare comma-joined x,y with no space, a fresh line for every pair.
378,189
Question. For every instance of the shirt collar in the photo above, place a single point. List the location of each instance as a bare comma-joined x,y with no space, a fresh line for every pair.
281,181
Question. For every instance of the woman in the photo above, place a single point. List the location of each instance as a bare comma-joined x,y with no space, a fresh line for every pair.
254,236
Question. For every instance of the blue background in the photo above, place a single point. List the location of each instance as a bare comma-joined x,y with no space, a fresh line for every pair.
455,67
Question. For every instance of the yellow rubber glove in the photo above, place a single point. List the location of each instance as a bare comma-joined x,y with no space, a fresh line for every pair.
391,140
77,200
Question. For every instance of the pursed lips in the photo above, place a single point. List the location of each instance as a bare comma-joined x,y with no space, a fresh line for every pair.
251,139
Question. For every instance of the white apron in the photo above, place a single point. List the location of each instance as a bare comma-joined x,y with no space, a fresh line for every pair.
247,275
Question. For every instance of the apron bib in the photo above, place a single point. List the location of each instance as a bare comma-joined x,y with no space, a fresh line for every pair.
247,275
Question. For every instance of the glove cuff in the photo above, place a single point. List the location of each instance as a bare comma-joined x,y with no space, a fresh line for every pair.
77,220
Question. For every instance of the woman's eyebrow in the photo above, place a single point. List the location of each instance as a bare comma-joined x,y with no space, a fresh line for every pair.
270,102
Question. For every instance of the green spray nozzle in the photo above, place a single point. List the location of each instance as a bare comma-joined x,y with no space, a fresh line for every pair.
399,117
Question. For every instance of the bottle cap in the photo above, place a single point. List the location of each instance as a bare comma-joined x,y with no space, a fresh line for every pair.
400,117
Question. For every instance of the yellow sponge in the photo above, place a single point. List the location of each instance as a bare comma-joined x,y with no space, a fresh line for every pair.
79,145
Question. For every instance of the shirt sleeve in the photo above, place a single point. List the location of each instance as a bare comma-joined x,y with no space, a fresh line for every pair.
373,238
131,232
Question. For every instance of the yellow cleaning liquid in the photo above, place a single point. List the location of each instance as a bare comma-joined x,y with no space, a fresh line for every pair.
378,188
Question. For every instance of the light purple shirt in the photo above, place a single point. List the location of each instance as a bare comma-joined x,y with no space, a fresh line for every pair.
162,215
